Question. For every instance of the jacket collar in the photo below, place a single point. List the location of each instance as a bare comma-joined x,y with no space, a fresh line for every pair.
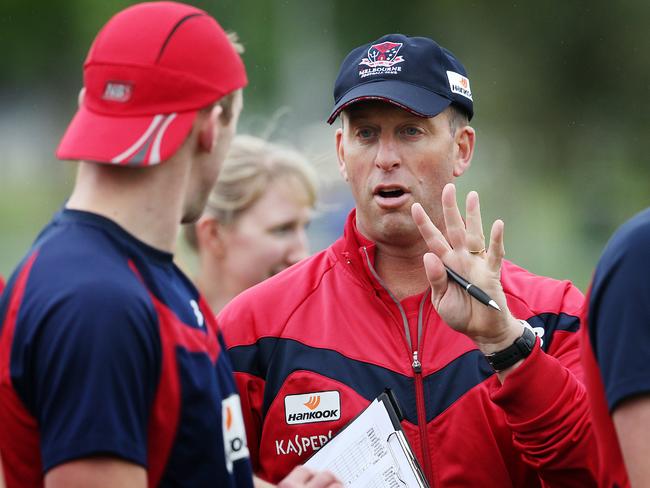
357,254
353,248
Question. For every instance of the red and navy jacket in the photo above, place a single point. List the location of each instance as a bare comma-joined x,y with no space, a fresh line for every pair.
312,346
106,348
616,345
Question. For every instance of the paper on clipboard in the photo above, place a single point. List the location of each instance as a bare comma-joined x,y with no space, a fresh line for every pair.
371,451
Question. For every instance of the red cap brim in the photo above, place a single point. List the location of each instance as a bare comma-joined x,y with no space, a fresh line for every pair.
137,141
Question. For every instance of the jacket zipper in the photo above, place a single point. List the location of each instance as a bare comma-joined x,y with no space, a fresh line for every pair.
416,365
419,399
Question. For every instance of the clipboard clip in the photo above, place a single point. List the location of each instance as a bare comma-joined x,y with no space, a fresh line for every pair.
398,473
410,457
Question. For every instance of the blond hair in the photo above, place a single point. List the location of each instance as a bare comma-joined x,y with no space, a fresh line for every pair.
251,166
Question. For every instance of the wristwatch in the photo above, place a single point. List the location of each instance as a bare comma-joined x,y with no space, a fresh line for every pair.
520,349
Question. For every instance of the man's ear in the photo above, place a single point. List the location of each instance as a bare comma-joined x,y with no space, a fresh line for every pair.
464,142
209,128
209,236
340,154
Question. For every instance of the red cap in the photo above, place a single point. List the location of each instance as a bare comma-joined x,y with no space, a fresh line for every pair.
148,72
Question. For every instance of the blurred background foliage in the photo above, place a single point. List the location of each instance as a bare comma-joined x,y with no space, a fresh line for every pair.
560,90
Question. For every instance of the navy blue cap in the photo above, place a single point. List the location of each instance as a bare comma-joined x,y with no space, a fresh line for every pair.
414,73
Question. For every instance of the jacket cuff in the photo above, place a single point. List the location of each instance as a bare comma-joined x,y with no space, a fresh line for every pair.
532,388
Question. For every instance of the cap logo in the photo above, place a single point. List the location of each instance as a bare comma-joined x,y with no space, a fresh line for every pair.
384,54
117,91
382,59
459,84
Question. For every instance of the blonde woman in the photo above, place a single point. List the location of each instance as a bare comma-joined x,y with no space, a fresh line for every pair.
255,221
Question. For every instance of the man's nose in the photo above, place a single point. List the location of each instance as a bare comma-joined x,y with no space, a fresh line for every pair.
387,157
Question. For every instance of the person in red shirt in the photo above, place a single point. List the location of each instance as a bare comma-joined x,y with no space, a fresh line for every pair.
488,400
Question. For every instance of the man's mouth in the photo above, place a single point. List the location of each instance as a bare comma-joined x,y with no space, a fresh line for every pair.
390,193
391,197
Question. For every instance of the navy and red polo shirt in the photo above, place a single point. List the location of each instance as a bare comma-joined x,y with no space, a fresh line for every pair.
106,348
616,341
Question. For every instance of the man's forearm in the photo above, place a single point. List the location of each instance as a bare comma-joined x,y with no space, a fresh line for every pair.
96,473
632,422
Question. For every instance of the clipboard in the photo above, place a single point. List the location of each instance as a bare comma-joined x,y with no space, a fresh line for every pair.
371,451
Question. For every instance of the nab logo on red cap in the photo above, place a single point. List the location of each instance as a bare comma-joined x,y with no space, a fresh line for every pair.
117,91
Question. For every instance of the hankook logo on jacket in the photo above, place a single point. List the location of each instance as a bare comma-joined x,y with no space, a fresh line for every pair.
320,406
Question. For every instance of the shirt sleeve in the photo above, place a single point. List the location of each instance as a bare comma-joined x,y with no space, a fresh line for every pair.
545,404
619,316
90,372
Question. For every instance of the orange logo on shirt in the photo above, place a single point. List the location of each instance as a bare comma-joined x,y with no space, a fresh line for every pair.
313,402
228,418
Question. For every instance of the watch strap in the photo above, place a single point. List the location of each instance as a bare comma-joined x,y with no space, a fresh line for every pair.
520,349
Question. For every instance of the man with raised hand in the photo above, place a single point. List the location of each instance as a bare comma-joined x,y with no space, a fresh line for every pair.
487,401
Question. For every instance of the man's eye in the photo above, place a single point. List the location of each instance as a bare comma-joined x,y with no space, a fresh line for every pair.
365,133
411,131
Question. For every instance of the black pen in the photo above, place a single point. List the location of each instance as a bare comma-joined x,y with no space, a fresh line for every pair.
473,290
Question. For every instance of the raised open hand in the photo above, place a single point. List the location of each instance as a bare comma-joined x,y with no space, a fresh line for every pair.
463,251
